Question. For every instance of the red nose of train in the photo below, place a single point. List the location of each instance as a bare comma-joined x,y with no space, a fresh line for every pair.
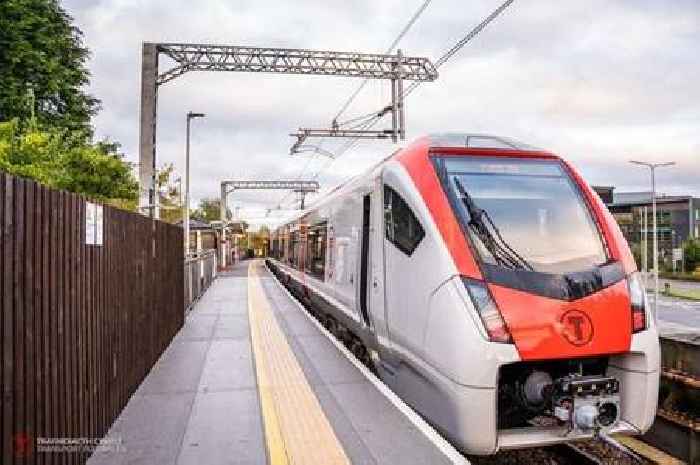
527,225
546,328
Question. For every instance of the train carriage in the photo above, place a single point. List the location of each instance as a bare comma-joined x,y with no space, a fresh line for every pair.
485,283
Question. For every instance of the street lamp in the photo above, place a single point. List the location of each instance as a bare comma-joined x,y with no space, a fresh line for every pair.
652,167
186,212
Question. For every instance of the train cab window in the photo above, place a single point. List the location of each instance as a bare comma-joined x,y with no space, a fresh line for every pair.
523,214
401,226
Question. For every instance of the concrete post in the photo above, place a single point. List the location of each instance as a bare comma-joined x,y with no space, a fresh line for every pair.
147,134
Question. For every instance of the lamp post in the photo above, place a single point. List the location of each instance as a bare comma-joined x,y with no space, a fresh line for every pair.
186,212
652,167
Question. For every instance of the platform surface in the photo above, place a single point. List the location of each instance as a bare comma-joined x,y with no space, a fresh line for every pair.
678,318
281,393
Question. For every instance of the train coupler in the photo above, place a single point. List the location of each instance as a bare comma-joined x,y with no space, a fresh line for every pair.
586,403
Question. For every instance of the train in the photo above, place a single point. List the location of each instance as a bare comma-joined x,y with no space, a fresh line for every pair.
484,282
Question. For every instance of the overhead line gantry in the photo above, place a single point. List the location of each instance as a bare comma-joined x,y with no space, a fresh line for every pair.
228,186
301,187
202,57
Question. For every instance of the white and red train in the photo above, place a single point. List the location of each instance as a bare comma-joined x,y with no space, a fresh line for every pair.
487,285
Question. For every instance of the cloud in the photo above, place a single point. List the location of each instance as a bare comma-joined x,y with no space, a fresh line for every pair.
598,82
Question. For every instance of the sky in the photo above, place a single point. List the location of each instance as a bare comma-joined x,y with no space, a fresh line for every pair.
599,82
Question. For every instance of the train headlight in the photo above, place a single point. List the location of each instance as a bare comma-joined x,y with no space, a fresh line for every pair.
488,311
637,302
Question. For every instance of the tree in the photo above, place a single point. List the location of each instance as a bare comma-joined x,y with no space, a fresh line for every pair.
42,53
691,251
210,210
261,239
61,159
169,194
636,249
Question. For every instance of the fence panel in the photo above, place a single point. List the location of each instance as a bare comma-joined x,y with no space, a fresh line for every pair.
81,324
200,271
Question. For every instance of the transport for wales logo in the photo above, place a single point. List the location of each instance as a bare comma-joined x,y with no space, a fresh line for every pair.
22,445
577,327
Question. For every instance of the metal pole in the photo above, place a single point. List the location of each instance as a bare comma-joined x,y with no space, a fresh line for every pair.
656,240
222,215
400,100
190,116
645,251
186,211
222,203
394,112
652,167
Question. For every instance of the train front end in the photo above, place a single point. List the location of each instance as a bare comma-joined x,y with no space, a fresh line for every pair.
544,270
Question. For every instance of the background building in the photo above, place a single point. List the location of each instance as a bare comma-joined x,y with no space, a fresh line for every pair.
678,219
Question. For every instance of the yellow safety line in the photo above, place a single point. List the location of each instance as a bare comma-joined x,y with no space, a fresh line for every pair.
297,430
648,451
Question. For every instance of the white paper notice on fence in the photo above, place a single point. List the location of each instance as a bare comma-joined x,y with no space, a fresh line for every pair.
93,224
98,224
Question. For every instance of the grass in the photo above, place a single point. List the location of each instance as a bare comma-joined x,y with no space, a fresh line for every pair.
689,294
682,276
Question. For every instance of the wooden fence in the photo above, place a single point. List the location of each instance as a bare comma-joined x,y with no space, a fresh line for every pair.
80,325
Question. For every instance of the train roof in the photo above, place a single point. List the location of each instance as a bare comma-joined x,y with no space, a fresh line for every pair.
477,141
422,146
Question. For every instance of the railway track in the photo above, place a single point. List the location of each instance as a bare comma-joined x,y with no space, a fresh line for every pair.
593,452
677,427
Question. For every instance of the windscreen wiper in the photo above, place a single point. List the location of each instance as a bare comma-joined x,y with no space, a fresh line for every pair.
480,222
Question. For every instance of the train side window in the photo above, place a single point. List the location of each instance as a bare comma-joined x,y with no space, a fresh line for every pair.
316,250
402,228
294,249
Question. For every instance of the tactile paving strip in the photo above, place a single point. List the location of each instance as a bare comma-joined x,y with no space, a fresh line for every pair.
296,428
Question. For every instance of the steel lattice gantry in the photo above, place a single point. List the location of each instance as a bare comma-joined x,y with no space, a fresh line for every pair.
191,57
194,57
308,186
302,187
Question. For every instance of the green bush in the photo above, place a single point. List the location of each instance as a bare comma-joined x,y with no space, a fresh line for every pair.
691,251
64,159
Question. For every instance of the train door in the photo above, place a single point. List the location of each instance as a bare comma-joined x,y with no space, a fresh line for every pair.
377,281
407,266
364,258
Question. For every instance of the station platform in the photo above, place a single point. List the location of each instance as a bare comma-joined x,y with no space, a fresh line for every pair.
678,317
251,378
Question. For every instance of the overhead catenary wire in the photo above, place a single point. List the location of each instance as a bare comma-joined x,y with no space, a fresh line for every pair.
371,121
462,42
396,41
299,176
370,118
357,118
444,58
